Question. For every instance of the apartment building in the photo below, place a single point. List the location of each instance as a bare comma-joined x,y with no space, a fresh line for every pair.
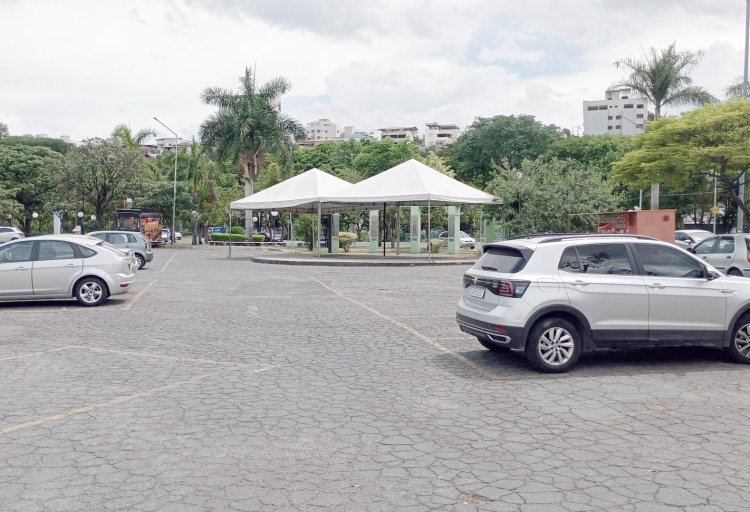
619,113
322,130
400,134
440,134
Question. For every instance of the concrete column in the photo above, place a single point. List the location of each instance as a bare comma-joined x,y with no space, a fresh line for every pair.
454,229
488,228
374,230
415,232
335,232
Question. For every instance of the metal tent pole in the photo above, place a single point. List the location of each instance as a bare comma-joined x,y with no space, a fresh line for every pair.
318,237
429,234
398,229
383,236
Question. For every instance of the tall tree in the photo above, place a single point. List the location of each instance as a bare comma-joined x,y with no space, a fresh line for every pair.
101,173
498,142
4,130
663,77
26,175
124,134
249,124
710,141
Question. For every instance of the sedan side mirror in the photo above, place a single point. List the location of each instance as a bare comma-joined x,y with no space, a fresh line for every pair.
690,249
710,274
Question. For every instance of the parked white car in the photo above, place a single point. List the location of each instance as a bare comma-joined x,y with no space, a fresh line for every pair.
8,233
64,266
687,238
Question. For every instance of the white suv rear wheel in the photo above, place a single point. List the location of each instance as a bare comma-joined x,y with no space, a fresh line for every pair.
554,345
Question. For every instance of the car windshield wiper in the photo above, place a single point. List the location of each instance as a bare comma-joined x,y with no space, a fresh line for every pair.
488,268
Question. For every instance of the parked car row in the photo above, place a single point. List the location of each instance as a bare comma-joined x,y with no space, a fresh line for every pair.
64,266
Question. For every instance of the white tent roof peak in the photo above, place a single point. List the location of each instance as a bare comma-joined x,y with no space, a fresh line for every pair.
297,193
411,182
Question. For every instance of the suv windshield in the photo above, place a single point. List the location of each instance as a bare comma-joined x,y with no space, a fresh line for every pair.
507,260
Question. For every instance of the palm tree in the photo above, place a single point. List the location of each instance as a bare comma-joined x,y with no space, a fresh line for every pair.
736,90
663,77
124,134
249,124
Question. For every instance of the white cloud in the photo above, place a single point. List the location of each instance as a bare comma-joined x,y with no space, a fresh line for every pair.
90,65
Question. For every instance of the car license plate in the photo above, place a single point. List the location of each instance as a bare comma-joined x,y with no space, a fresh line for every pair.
477,291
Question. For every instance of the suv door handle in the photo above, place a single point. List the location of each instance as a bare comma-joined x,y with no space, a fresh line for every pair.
71,265
579,283
657,286
21,268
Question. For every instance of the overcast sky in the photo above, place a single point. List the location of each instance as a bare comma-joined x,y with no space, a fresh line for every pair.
80,67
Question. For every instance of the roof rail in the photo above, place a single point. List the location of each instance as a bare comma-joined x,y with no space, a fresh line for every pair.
559,238
539,235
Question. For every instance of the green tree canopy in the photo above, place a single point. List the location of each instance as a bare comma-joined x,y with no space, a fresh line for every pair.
26,175
379,156
499,142
4,130
597,152
57,145
711,141
548,196
101,173
124,134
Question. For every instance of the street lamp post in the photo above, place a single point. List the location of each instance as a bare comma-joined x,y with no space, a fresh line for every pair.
9,218
174,185
194,215
745,92
93,221
34,216
274,213
80,220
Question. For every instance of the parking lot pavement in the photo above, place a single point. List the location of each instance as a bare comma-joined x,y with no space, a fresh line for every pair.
219,384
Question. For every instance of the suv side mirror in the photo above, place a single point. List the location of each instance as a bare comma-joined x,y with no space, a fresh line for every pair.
690,249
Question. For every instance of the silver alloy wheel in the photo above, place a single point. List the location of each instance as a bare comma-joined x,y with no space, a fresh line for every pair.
556,346
91,292
742,340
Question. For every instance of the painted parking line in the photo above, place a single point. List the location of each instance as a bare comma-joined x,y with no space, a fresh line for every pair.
36,354
153,355
130,304
168,262
468,362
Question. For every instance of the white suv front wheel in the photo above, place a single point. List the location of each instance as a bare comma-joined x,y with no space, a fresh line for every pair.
554,345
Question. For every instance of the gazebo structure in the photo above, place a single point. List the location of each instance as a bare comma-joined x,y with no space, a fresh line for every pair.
410,183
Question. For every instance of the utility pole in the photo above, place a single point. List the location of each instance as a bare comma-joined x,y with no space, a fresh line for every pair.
740,213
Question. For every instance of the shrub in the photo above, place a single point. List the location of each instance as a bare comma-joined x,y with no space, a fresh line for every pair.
226,237
304,228
259,238
238,230
364,236
437,244
346,239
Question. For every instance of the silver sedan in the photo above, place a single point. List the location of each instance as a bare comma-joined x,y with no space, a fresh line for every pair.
64,266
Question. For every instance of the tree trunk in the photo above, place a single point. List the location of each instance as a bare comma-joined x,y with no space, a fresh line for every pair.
248,213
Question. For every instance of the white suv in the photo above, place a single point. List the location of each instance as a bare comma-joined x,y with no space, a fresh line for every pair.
557,296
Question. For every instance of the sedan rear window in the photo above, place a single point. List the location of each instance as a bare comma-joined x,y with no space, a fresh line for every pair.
507,260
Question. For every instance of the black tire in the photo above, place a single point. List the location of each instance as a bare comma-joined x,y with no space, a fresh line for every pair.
739,345
734,272
491,345
141,261
554,345
91,291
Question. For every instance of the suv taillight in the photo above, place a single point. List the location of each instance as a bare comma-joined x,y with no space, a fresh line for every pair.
512,288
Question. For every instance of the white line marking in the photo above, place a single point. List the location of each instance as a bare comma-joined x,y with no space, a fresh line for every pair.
481,369
35,354
168,262
130,304
157,356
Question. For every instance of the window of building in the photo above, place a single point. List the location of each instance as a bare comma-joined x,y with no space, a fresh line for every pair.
609,127
639,116
618,117
602,107
624,98
609,118
639,126
594,107
627,105
617,127
640,105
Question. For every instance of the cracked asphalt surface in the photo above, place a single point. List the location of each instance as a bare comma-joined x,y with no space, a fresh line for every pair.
222,384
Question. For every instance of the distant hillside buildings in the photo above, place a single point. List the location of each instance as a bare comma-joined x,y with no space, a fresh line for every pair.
325,130
619,113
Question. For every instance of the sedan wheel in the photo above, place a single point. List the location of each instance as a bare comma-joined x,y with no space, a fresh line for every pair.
91,291
554,345
739,349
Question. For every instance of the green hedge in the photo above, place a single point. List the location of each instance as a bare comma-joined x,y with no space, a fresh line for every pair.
259,237
238,230
437,244
226,237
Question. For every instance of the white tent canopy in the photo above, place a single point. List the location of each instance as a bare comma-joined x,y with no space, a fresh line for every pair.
409,183
300,193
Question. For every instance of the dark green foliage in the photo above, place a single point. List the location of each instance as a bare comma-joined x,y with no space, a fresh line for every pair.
498,142
226,237
238,230
57,145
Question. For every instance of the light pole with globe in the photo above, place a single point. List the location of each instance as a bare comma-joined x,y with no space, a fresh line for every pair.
9,218
80,220
34,216
93,221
